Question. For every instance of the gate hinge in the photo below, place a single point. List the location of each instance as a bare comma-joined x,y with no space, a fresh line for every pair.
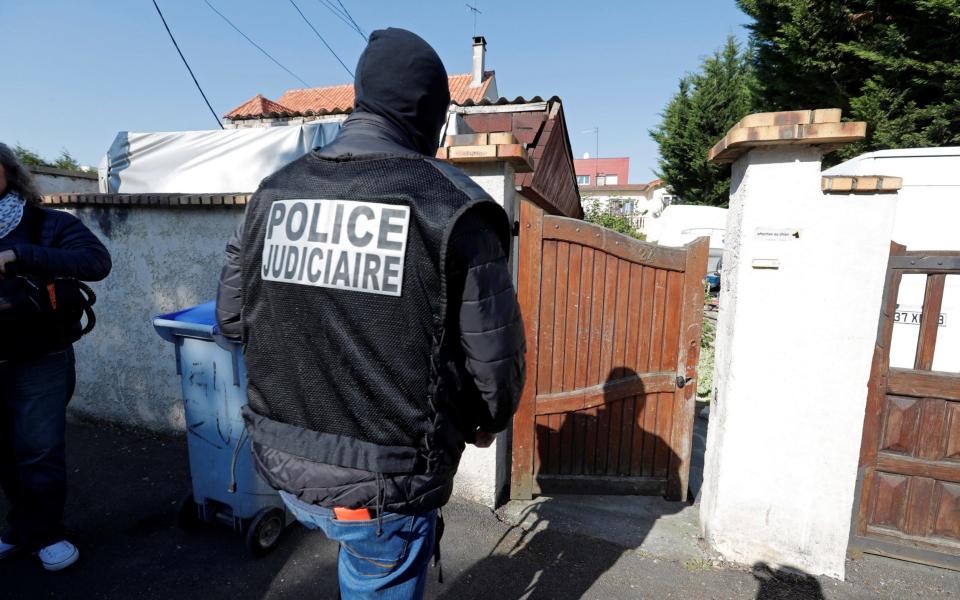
516,229
683,381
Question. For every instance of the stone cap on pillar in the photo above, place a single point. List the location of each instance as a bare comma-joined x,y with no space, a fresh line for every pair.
860,184
486,147
820,127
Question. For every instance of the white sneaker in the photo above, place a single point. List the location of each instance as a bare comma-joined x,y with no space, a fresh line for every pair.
7,549
58,556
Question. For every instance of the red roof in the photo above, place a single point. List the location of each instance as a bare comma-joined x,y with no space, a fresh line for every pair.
339,98
256,106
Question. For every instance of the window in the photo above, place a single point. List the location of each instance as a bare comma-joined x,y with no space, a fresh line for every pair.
583,180
611,180
601,180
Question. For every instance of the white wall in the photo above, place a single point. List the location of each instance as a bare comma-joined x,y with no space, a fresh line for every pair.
484,473
58,181
794,347
164,259
928,210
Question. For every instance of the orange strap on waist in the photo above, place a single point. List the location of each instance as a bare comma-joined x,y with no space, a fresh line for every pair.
351,514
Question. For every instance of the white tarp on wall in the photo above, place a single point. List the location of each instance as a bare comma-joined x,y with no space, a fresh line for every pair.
205,162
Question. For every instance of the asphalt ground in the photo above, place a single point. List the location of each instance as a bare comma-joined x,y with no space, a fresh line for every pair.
125,486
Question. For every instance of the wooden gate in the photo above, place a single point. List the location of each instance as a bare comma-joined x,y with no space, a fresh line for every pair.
613,336
908,482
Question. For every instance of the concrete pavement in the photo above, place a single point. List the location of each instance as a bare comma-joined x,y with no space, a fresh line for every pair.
125,486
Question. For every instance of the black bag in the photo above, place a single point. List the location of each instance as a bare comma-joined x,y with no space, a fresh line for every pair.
38,316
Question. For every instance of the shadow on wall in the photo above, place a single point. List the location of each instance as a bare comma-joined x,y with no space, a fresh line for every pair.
538,560
785,584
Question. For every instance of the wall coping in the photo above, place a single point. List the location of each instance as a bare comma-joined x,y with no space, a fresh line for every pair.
225,200
468,148
860,184
64,173
820,127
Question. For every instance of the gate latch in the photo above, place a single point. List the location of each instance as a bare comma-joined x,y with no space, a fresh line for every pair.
682,381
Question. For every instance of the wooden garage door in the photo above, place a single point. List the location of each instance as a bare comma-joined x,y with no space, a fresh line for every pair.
613,337
908,485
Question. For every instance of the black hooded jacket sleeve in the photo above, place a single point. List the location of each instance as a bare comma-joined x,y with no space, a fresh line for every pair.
230,289
489,323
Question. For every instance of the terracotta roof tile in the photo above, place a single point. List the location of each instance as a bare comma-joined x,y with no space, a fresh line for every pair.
258,105
339,98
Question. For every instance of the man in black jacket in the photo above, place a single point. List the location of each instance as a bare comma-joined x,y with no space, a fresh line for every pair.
370,286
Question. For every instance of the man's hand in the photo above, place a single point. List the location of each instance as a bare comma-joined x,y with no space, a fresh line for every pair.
6,257
483,439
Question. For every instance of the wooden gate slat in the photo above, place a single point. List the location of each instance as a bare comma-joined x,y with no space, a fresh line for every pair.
609,317
584,319
528,294
559,317
685,398
618,367
596,318
919,503
547,304
652,439
603,439
571,335
673,302
647,285
932,302
590,441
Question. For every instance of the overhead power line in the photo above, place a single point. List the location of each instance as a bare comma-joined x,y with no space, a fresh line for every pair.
255,45
307,21
344,17
186,64
349,16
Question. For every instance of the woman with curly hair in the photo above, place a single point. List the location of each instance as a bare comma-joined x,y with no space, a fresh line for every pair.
36,383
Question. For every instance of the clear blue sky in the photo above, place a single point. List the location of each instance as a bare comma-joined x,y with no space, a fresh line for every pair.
76,73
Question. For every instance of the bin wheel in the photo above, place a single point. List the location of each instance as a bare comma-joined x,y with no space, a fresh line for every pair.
265,530
188,514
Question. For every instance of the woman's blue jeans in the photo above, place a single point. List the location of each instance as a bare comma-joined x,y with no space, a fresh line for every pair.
392,566
33,474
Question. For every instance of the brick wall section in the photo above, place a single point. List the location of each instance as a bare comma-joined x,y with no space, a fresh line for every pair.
222,200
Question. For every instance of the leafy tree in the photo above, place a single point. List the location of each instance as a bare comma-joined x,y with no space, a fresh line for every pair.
707,104
594,213
66,161
29,157
894,64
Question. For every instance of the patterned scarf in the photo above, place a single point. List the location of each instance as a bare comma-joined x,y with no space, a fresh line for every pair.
11,211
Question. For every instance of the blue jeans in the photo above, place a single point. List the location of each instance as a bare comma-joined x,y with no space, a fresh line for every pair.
390,567
33,473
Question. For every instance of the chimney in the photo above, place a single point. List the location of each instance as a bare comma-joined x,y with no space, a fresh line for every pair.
479,60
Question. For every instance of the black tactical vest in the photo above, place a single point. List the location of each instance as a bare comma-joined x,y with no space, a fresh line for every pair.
344,309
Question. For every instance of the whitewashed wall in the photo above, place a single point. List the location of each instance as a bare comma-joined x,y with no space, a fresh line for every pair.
164,259
794,347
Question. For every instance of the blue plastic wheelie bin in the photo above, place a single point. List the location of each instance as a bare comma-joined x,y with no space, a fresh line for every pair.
226,486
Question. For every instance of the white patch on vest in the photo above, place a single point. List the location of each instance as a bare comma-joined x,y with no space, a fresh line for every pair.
337,244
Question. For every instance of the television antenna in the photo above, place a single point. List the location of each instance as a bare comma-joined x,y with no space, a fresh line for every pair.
476,11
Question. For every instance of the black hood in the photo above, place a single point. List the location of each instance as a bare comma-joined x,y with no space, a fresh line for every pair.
401,78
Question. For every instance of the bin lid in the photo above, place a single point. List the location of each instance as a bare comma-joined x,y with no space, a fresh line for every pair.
198,321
